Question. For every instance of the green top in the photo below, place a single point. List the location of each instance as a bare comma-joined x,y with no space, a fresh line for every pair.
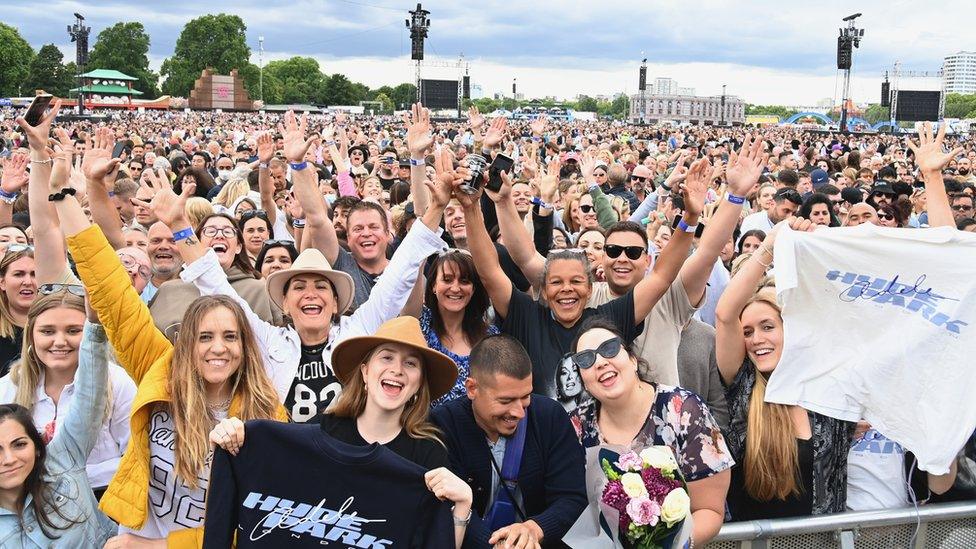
108,74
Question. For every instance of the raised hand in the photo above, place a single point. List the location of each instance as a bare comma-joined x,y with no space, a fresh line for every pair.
447,179
745,167
266,145
14,173
549,183
37,135
475,119
64,149
695,187
538,126
294,132
504,192
496,131
929,154
587,165
97,162
419,138
168,207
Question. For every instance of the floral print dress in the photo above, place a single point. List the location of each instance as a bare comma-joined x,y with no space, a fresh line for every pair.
463,364
679,419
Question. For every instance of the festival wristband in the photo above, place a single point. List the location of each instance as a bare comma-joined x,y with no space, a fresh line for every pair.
263,165
298,223
540,203
9,198
536,139
299,166
735,199
686,227
183,235
418,162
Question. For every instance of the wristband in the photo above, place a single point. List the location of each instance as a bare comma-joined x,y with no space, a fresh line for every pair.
418,162
536,139
735,199
61,195
686,227
263,165
183,235
48,161
461,522
330,143
9,198
540,203
298,223
299,166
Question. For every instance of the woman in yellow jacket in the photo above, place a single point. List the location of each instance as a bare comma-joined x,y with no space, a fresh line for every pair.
213,370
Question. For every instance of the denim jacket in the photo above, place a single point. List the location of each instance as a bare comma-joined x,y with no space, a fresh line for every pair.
70,498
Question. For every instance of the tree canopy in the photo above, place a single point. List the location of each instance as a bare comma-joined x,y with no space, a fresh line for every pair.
17,55
215,41
125,47
48,73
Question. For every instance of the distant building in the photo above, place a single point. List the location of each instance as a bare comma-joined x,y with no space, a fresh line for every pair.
686,108
477,92
959,72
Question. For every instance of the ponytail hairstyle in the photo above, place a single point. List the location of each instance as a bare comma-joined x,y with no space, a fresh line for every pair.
772,464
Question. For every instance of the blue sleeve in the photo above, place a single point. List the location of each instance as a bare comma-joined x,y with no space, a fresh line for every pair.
565,476
71,447
221,516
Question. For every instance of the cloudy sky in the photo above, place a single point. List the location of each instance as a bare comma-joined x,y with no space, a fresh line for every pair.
765,52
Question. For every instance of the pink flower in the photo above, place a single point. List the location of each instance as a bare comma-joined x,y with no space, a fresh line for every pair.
614,496
630,462
643,511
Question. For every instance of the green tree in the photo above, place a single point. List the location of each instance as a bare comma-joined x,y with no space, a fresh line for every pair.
775,110
403,95
385,101
620,106
958,105
299,78
48,73
272,87
876,113
338,90
17,55
586,103
214,41
124,47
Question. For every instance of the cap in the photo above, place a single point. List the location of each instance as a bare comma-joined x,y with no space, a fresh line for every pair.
819,178
851,195
882,187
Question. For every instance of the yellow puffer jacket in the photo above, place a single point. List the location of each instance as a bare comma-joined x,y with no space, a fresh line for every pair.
146,354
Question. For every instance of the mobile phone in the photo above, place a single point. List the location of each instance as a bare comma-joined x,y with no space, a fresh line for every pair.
388,160
37,108
501,163
117,149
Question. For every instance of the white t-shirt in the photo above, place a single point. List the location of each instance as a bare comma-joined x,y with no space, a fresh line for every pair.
759,220
879,323
172,504
113,437
876,474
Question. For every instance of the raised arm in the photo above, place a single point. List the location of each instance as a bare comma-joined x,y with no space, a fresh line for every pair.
419,139
48,241
931,160
483,252
517,240
605,215
13,181
318,227
649,290
265,183
100,171
743,172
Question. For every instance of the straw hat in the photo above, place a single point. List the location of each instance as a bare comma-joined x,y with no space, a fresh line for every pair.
311,261
440,371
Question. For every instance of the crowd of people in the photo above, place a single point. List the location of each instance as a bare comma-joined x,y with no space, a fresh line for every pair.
210,318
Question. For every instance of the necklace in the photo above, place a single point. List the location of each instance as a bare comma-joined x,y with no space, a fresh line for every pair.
222,405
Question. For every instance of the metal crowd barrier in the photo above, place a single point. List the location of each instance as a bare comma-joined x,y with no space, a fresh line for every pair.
936,526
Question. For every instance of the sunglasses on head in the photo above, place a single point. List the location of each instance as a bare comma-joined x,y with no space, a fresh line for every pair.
586,208
48,289
608,349
613,251
248,214
12,248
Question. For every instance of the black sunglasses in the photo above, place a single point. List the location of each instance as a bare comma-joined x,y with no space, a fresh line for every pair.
48,289
638,178
586,208
248,214
886,217
613,251
608,349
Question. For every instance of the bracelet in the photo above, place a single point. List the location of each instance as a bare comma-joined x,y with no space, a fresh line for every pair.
665,187
461,522
182,235
60,195
48,161
540,203
263,165
299,166
759,261
682,226
735,199
330,143
418,162
9,198
298,223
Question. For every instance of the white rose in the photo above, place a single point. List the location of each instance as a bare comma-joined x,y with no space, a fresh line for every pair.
659,457
633,485
676,507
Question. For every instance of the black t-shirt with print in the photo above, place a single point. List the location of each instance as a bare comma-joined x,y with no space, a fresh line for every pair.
295,486
314,388
547,341
10,349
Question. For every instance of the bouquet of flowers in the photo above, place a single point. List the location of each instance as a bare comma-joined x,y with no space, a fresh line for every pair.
648,491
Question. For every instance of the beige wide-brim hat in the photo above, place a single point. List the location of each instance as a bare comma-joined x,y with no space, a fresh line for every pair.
440,372
311,261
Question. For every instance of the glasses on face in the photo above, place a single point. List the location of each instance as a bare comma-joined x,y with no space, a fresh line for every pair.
638,178
608,349
599,174
212,231
586,208
836,202
613,251
879,195
961,208
48,289
886,217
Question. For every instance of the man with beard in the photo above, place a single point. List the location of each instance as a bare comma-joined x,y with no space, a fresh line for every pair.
964,170
165,260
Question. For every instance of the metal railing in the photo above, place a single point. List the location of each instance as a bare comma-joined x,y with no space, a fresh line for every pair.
936,526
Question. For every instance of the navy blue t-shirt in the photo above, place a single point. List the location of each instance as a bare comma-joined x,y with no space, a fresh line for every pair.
294,485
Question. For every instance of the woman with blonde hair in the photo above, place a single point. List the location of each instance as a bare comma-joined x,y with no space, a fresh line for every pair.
213,370
18,289
198,209
790,461
230,193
